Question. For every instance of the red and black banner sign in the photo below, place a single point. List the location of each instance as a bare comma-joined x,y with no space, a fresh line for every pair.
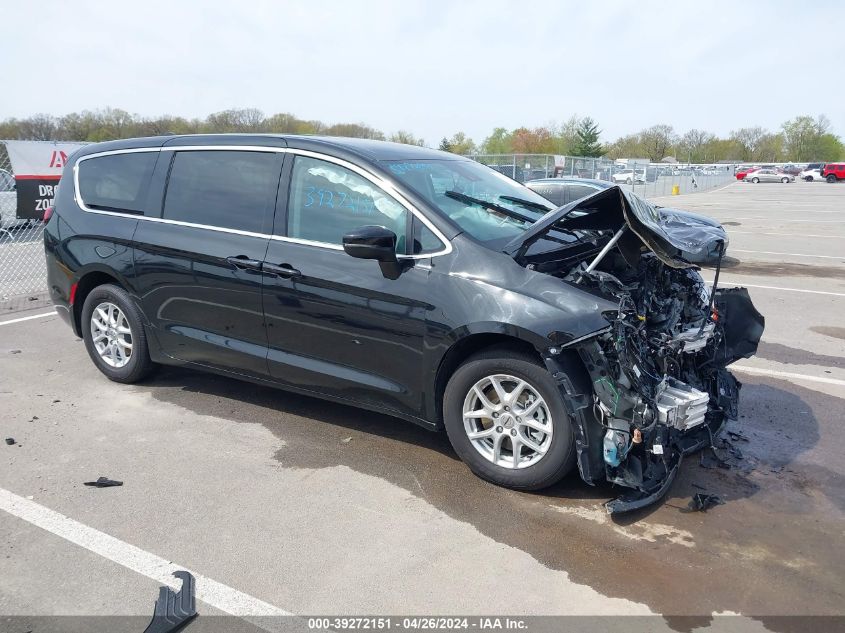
37,167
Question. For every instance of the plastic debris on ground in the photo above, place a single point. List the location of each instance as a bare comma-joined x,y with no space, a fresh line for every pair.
10,441
174,610
702,502
103,482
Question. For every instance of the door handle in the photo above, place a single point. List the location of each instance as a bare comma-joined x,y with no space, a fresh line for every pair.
282,270
242,262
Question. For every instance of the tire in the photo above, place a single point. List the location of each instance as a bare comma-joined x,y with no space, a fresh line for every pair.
629,182
558,456
784,180
121,364
809,179
831,178
755,180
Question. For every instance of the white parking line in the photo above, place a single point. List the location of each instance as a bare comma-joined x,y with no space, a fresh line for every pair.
723,282
28,318
739,250
210,591
786,374
792,235
784,221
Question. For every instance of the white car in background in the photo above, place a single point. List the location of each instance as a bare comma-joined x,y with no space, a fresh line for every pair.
8,201
628,176
811,174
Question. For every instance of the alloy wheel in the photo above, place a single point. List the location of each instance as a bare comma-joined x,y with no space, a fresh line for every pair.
507,421
111,334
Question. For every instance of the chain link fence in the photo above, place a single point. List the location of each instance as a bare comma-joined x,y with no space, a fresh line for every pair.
23,273
649,180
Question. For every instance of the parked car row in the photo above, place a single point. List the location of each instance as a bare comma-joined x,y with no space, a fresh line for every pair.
831,172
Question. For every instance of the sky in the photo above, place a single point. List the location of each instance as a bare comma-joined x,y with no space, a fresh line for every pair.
432,67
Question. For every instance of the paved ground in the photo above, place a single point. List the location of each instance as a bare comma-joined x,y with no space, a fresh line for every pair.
314,508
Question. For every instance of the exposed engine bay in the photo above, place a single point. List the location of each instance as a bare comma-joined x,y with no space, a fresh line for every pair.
659,384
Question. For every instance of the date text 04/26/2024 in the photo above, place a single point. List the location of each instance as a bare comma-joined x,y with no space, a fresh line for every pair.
417,623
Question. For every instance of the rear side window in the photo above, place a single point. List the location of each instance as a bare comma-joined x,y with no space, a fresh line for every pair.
118,182
223,188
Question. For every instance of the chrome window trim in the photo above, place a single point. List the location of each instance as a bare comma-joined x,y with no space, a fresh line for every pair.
389,188
379,181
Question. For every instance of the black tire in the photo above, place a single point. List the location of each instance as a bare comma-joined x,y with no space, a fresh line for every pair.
831,178
809,179
784,180
629,182
139,365
559,457
755,180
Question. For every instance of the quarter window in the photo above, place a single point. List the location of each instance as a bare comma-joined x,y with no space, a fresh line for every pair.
118,182
223,188
551,192
576,192
327,201
425,241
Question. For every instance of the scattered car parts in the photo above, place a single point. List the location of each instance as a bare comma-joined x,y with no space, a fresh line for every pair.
103,482
174,610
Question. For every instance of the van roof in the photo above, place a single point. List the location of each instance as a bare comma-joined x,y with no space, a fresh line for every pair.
367,148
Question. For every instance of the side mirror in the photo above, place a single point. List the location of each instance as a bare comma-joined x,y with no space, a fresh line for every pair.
371,242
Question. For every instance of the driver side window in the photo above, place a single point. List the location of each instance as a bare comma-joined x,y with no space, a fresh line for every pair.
327,201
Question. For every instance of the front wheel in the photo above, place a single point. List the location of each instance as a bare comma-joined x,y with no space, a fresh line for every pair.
114,334
629,182
755,180
507,421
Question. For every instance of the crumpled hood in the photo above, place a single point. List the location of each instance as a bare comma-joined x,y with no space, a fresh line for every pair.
678,239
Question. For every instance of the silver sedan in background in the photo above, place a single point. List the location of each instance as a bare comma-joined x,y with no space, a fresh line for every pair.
769,175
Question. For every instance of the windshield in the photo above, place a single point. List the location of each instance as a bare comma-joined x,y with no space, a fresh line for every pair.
491,207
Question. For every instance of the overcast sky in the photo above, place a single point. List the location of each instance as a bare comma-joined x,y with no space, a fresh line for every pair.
433,67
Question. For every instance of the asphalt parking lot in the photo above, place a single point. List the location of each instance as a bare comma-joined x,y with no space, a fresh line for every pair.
294,505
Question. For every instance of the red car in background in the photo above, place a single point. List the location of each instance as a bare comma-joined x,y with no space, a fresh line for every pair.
834,171
744,171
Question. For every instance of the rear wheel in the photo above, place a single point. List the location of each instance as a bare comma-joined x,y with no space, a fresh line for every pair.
784,180
114,334
507,421
629,182
831,178
755,180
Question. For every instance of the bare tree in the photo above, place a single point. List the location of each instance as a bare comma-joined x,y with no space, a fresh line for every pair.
657,140
40,127
405,137
692,144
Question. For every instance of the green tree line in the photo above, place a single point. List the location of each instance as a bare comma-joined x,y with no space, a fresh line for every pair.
112,123
801,139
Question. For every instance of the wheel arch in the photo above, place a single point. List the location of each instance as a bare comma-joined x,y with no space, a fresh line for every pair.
480,337
89,279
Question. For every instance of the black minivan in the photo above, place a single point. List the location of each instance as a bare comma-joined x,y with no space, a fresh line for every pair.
408,281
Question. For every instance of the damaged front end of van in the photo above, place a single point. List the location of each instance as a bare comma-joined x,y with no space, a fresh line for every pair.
659,384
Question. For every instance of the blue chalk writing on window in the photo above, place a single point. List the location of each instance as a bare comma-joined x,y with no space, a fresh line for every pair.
402,168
